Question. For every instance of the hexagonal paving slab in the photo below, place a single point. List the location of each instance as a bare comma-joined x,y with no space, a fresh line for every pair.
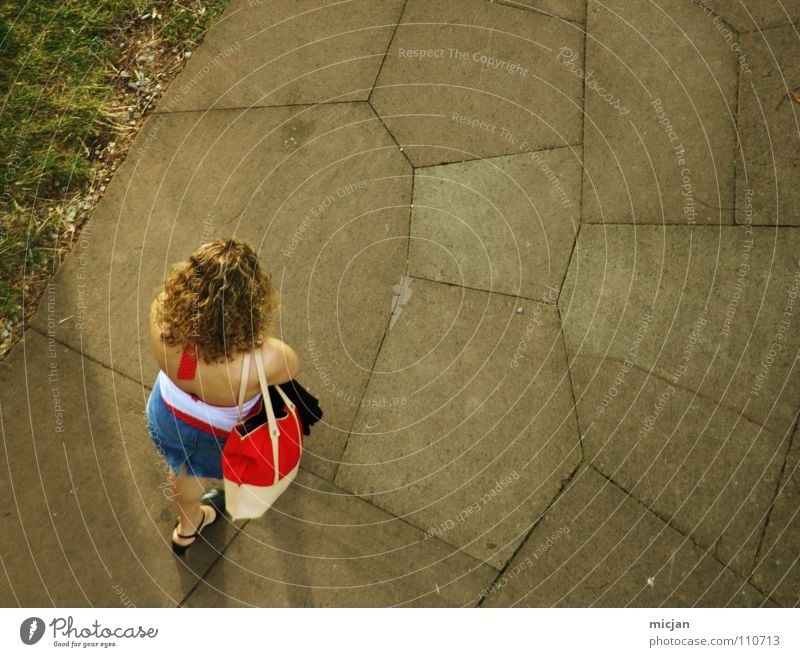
468,78
287,53
660,135
504,224
766,178
707,469
667,301
597,547
322,192
320,547
467,428
716,298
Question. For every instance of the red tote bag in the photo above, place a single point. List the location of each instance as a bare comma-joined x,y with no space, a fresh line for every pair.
255,446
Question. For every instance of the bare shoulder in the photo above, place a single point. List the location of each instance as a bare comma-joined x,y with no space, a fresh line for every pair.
280,360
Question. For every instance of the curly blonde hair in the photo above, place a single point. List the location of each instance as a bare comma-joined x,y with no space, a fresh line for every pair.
220,300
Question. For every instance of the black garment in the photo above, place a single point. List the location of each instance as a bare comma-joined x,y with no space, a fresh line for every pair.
307,404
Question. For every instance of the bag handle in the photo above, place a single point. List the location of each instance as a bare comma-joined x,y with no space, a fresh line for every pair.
262,381
273,424
243,382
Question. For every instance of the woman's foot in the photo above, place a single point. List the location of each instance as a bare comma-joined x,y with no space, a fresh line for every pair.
183,537
216,498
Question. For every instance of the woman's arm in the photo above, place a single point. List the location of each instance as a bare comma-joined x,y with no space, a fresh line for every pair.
280,361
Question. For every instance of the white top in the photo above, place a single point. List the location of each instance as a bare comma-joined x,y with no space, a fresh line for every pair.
221,417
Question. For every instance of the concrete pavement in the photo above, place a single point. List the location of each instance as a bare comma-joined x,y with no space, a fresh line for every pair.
540,262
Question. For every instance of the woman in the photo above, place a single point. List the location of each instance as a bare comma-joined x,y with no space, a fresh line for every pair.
214,308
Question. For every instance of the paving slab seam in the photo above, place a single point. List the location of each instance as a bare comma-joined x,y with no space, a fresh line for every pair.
778,483
700,201
386,53
571,256
8,579
502,155
456,548
410,216
564,484
515,5
220,553
363,393
739,152
250,107
571,386
88,357
686,226
738,575
713,13
758,29
405,273
658,515
580,207
236,219
396,143
583,94
695,393
480,289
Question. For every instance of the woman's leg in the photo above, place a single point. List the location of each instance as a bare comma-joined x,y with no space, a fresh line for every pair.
187,492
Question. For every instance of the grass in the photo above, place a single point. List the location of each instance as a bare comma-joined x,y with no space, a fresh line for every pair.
78,76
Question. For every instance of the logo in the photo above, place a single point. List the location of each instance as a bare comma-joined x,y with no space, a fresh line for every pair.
31,630
402,293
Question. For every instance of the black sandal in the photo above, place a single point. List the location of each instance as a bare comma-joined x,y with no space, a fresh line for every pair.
181,549
216,498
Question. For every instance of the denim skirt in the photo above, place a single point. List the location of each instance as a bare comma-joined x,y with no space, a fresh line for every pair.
182,444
